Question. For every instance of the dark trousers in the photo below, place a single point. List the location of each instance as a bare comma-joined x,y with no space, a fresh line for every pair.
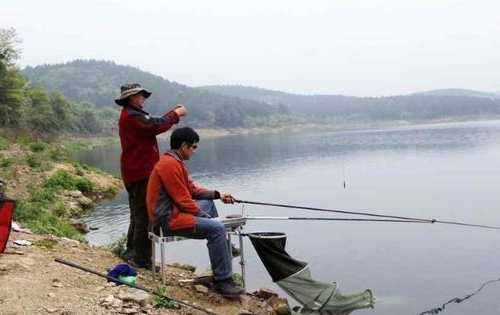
137,236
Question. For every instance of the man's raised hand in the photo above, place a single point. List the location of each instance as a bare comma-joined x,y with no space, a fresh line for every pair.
180,110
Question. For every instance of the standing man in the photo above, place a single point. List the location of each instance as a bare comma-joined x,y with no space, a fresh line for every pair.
139,154
172,207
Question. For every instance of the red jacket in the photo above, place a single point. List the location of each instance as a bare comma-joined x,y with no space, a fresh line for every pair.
170,189
138,139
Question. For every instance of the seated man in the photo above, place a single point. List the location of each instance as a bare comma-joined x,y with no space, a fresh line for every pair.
171,206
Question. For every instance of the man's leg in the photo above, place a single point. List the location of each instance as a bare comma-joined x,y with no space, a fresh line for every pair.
208,207
141,244
220,260
215,234
130,233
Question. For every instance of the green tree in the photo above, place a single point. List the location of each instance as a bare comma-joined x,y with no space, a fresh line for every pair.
11,81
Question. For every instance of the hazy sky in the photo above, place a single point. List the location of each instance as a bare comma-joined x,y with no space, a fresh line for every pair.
364,48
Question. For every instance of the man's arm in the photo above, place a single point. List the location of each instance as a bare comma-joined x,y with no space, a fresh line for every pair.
151,125
201,193
172,179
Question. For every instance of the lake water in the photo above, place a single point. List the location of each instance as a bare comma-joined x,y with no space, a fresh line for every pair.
446,171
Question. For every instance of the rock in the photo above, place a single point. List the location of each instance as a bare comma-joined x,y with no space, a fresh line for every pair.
56,283
187,267
201,288
50,310
51,295
23,243
74,193
265,294
80,226
130,310
117,303
107,301
17,228
279,305
69,241
245,312
85,202
136,296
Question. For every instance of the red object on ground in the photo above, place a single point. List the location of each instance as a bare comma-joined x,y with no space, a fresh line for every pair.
6,212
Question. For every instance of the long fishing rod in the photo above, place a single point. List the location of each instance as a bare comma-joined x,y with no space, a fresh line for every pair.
332,219
366,214
71,264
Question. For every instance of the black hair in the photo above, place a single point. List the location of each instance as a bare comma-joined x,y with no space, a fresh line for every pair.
183,135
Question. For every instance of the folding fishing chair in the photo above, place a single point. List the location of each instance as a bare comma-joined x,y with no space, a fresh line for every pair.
234,226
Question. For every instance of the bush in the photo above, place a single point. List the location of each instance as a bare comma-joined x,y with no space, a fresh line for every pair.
33,161
57,154
64,180
38,146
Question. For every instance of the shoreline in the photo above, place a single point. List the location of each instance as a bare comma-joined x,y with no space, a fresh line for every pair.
213,133
51,190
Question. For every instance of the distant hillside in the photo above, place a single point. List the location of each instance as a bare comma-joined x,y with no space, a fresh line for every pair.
459,92
415,107
233,106
98,82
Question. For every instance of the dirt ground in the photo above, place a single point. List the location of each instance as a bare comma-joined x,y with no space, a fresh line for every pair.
31,282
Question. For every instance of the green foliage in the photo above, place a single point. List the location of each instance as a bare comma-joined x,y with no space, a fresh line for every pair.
33,161
31,108
5,162
162,301
119,247
38,217
64,180
38,146
4,144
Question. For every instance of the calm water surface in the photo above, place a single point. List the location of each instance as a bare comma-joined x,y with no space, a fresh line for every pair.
446,171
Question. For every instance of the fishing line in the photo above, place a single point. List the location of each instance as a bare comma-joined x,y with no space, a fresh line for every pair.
457,299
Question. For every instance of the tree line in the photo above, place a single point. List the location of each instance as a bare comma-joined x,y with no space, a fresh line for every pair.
29,107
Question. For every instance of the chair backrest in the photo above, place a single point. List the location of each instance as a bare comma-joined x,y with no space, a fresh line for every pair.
6,212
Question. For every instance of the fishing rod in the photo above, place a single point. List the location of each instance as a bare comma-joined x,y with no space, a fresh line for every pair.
71,264
367,214
332,219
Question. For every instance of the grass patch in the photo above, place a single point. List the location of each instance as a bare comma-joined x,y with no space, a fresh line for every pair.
38,217
64,180
38,146
4,143
161,301
33,161
43,213
5,162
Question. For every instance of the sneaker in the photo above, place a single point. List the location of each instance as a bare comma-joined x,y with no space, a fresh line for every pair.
227,288
235,252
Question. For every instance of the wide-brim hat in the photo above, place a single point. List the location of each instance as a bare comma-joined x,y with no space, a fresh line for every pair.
129,90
